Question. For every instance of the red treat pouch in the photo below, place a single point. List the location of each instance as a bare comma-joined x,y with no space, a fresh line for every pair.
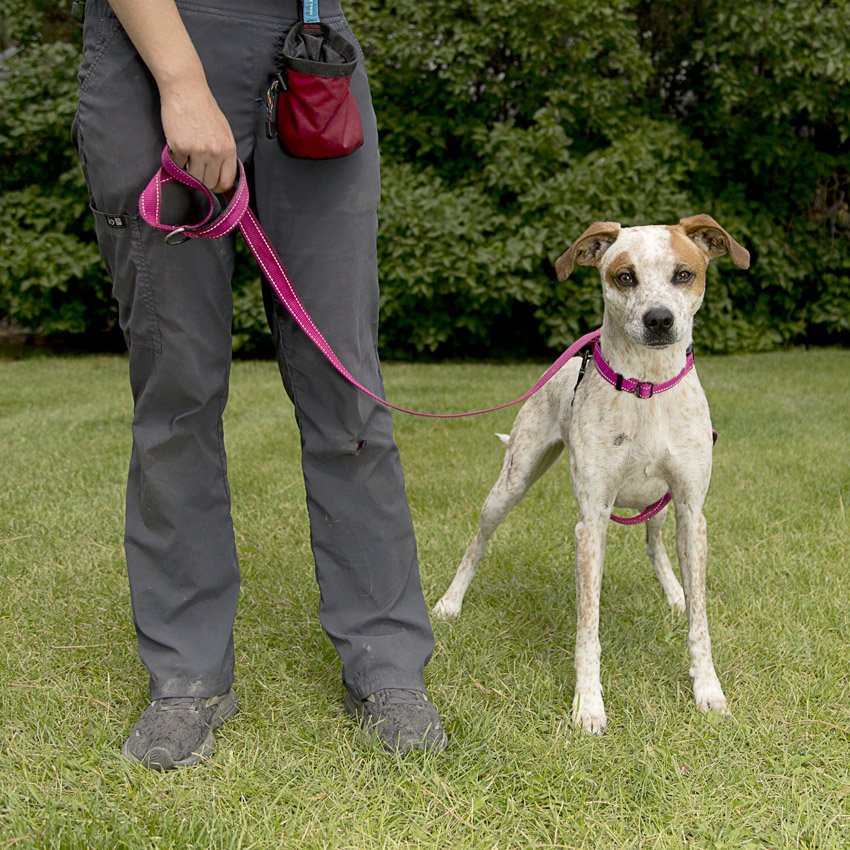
317,116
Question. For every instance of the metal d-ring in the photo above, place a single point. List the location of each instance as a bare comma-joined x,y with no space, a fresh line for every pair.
177,236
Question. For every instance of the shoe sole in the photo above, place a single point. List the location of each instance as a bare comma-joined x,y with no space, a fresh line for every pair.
370,729
159,758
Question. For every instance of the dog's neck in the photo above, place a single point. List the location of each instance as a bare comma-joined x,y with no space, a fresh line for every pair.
633,360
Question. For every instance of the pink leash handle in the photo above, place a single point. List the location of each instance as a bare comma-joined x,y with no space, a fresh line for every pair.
237,213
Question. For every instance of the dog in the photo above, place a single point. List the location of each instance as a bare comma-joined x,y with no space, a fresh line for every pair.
627,448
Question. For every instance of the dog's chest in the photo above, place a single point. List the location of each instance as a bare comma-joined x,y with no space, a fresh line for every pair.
635,446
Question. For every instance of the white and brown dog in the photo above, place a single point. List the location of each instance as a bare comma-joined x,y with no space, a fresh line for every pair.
629,448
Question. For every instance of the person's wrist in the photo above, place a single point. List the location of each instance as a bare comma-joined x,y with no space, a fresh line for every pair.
180,78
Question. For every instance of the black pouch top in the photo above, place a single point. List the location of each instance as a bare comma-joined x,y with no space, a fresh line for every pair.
318,50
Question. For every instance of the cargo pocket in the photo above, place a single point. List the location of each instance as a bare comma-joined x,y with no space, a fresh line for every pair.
98,33
119,236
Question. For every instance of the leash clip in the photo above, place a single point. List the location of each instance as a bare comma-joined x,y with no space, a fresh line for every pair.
177,236
278,84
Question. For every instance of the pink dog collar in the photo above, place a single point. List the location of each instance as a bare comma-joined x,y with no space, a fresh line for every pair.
642,389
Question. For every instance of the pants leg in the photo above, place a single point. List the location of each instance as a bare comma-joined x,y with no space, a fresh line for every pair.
321,216
175,307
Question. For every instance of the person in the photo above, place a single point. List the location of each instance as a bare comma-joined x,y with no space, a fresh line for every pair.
194,75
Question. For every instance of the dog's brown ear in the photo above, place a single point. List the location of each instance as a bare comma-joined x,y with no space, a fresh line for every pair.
714,240
588,249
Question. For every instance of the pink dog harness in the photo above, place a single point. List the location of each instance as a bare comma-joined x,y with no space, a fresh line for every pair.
237,213
642,389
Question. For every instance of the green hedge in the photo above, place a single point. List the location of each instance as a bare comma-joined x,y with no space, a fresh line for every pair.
506,129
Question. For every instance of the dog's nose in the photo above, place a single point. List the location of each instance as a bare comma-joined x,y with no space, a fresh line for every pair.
658,320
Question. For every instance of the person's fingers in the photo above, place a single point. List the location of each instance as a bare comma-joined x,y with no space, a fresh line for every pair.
197,167
218,173
200,138
178,154
227,176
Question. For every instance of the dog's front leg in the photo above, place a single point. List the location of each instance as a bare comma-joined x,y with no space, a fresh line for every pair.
588,706
692,546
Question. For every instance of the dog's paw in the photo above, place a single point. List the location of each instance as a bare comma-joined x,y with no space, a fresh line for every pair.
589,713
676,601
446,609
709,695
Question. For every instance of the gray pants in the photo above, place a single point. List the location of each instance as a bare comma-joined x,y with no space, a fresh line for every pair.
175,308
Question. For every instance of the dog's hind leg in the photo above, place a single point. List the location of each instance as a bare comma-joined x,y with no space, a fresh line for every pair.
661,563
529,455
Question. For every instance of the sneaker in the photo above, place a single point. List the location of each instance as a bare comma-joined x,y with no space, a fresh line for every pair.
402,720
178,731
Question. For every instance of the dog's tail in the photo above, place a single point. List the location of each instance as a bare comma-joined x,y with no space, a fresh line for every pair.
504,438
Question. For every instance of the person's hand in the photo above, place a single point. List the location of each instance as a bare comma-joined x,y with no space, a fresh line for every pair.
198,135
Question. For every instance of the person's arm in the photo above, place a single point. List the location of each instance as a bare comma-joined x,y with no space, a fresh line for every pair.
197,132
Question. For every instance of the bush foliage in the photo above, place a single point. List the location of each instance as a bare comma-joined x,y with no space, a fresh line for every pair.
506,129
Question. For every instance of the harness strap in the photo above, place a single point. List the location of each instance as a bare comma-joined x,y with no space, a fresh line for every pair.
647,513
585,356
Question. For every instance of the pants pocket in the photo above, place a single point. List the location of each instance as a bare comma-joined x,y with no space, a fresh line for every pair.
119,237
99,29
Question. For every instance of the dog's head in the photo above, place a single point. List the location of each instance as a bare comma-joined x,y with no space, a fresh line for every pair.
653,278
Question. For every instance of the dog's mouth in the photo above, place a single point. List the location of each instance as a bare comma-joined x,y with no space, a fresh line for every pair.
657,340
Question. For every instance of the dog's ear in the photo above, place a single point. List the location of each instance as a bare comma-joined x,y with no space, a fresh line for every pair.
588,249
714,240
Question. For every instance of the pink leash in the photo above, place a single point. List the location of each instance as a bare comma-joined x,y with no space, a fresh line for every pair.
237,213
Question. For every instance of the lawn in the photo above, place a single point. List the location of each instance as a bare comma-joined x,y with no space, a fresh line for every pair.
291,771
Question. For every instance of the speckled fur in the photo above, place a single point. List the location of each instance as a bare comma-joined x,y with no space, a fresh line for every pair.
625,451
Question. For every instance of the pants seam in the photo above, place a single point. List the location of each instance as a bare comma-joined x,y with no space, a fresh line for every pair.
222,403
100,50
145,283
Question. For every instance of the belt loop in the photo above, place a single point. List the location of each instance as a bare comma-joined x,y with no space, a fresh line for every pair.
310,11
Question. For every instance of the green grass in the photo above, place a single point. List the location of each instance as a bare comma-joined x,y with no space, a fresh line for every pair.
290,771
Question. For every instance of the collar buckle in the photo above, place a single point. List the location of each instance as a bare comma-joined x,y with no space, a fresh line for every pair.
643,389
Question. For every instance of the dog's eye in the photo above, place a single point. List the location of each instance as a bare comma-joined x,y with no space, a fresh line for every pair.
683,276
626,279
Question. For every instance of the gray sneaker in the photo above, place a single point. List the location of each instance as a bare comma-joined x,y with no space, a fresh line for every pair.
178,731
402,720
